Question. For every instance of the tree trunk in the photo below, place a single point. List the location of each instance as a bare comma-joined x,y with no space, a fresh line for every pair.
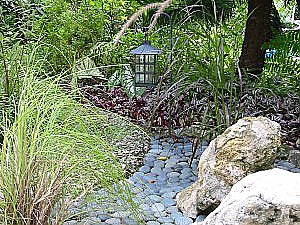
258,31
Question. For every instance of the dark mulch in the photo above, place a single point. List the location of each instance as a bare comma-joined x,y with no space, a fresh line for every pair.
185,109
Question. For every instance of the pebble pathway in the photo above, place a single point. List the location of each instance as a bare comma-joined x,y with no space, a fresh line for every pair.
165,172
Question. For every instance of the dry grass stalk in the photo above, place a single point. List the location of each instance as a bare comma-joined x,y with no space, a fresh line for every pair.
161,7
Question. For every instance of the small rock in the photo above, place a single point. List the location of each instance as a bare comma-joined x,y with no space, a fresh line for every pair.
157,171
184,176
183,164
145,207
71,222
183,221
172,209
285,165
160,214
130,221
173,180
121,214
200,218
145,169
152,223
188,153
158,207
155,198
172,160
166,190
168,202
113,221
176,214
157,150
295,170
170,165
169,195
186,171
103,217
164,219
162,178
149,216
173,174
159,164
167,170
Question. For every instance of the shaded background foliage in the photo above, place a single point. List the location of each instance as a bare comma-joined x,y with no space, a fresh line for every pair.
208,36
206,91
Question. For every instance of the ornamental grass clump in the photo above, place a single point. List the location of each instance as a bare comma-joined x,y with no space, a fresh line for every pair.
55,152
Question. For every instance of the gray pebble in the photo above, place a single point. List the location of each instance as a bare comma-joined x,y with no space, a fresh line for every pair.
168,202
188,153
121,214
159,164
200,218
157,150
158,207
166,190
71,222
149,160
165,219
184,176
103,217
145,207
169,195
130,221
172,161
186,171
145,169
160,214
166,153
162,177
173,180
183,221
176,214
149,216
295,170
183,163
193,178
154,198
152,223
113,221
170,166
172,209
157,171
173,174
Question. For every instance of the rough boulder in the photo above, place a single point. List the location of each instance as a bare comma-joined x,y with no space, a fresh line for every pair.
246,147
267,197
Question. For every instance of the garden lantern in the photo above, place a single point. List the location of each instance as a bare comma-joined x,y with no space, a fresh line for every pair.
146,65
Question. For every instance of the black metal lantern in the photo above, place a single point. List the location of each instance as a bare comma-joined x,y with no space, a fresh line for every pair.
145,65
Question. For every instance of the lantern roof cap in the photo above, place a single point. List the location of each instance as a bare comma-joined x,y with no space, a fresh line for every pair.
146,49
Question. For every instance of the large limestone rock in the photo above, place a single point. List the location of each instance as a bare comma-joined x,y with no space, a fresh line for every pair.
268,197
246,147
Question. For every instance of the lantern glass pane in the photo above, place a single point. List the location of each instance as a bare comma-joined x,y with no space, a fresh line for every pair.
139,59
147,78
151,58
151,69
138,78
